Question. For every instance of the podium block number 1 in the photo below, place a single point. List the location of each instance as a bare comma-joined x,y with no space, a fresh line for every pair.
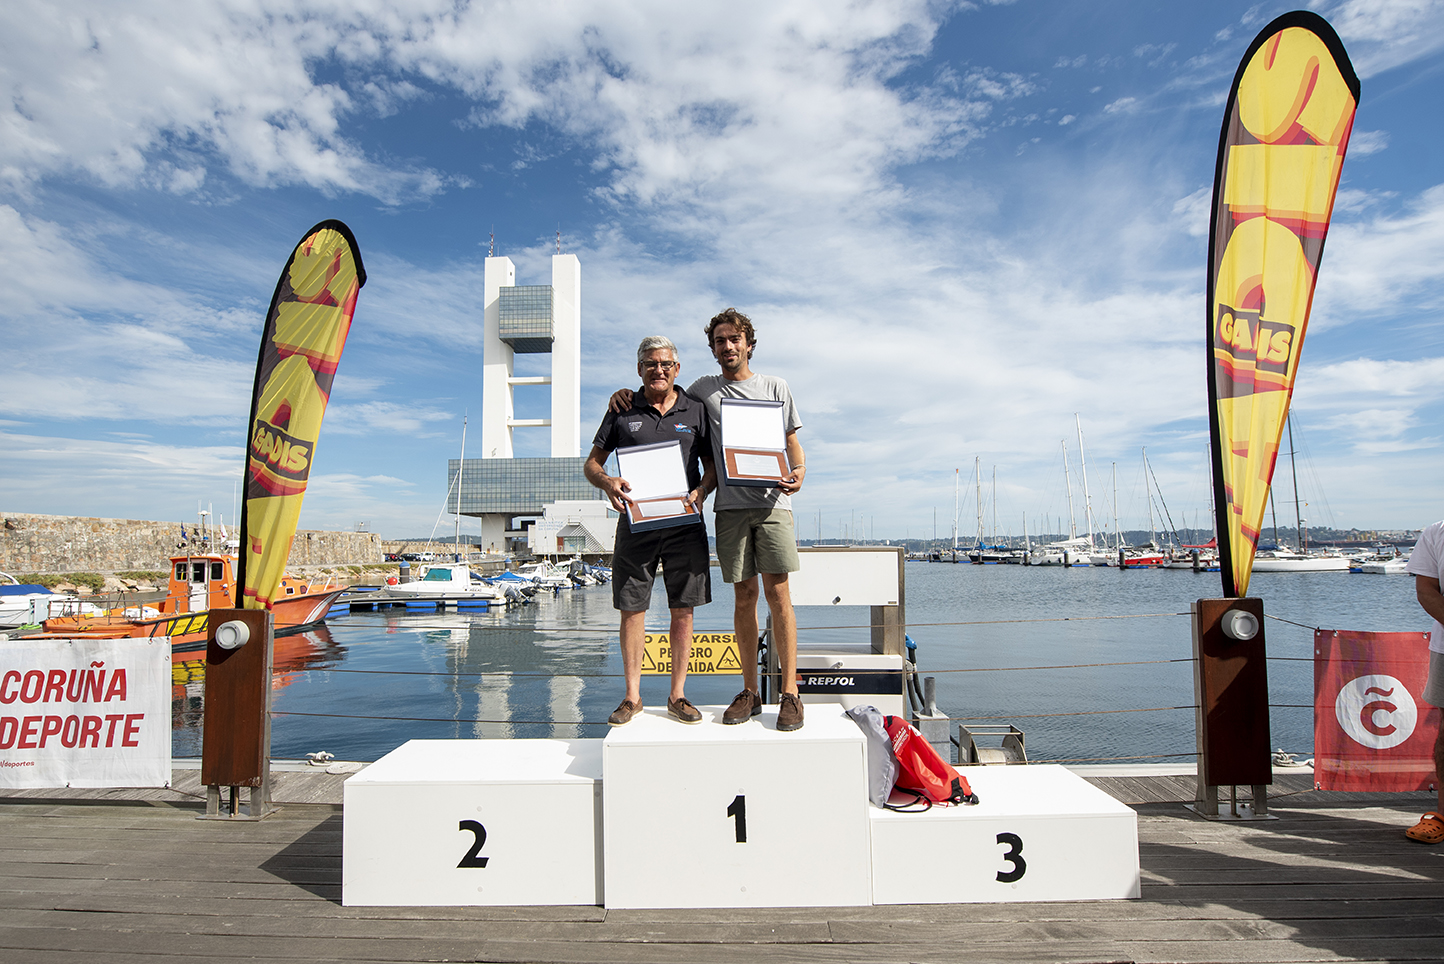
473,856
737,810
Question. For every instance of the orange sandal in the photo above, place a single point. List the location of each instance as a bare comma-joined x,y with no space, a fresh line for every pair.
1429,829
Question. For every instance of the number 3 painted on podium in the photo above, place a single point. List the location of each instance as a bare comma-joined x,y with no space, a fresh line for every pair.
1014,856
473,858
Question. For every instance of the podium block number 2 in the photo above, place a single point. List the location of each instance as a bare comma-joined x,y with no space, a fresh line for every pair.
1014,856
737,810
473,856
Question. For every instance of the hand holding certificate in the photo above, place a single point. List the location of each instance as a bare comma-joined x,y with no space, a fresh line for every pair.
658,495
754,445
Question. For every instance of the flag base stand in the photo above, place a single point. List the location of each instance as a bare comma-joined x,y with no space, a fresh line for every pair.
1230,683
258,807
236,740
1207,805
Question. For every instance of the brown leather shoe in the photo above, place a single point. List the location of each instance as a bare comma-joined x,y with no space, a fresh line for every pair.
789,713
624,713
745,705
682,710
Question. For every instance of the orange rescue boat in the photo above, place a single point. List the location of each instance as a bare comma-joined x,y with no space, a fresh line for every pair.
199,583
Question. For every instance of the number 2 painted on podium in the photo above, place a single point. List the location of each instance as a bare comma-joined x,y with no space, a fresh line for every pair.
1014,856
473,856
737,810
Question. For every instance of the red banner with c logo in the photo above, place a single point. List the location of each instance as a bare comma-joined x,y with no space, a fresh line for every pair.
1372,729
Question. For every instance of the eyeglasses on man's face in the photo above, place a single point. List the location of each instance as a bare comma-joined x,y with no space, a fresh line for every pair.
659,366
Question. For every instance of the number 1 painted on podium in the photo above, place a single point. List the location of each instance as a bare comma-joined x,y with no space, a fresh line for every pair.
738,812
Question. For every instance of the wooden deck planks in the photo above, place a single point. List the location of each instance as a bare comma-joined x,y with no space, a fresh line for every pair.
119,881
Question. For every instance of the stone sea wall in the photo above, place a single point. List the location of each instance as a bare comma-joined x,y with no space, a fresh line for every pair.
60,543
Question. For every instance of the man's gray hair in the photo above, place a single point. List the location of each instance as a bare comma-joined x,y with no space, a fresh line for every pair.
652,343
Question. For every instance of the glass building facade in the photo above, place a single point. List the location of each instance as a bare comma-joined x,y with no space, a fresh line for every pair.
526,318
518,486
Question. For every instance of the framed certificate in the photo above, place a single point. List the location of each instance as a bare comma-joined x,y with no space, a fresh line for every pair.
659,486
754,445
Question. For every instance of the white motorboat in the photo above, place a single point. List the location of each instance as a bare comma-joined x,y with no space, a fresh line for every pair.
1067,552
546,575
449,582
1287,560
1398,566
24,604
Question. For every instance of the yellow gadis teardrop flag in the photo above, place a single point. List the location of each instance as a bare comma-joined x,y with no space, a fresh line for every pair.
306,329
1285,131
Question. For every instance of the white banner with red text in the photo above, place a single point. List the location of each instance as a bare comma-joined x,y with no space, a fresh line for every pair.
85,713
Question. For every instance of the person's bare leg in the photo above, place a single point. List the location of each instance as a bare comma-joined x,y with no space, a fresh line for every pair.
681,642
784,628
1439,769
744,626
633,647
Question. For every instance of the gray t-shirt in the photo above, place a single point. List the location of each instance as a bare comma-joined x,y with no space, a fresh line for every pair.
711,389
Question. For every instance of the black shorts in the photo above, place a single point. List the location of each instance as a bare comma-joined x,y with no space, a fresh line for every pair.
686,571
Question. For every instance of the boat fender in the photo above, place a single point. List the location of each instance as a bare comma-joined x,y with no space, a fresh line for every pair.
392,581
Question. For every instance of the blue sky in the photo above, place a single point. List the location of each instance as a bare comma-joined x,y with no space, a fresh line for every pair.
955,225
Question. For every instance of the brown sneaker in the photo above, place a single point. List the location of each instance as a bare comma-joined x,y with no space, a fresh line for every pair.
624,713
789,713
682,710
745,705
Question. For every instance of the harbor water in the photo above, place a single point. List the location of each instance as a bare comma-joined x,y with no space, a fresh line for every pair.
1042,648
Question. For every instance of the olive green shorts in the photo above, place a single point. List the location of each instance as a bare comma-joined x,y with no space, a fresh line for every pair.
750,541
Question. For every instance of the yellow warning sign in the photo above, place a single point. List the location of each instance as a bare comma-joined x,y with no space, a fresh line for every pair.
714,653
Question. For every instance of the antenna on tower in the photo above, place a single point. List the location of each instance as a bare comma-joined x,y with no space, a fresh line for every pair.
559,239
491,247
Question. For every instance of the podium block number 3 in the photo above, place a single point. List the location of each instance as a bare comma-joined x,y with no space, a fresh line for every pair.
737,810
1014,856
473,856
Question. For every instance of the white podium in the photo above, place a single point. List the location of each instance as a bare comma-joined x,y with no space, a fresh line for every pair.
450,822
736,816
1039,832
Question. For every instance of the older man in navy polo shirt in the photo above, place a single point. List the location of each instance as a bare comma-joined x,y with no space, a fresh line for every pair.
660,412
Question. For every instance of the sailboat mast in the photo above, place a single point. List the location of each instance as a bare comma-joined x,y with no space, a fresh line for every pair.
1148,491
955,514
978,482
1083,468
1117,536
1293,468
460,467
1068,481
995,505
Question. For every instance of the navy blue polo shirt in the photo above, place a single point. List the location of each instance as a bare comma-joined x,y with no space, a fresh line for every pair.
685,422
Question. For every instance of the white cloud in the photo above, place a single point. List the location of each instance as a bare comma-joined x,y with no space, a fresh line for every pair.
367,418
139,479
1364,143
1368,381
764,154
1193,211
1383,34
1384,264
156,94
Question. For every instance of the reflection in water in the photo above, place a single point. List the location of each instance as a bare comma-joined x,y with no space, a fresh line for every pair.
372,681
566,704
292,654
